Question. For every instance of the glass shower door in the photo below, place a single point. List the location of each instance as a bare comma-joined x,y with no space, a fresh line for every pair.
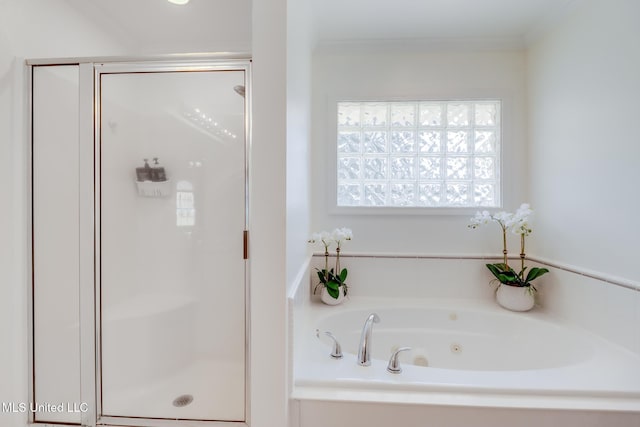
172,198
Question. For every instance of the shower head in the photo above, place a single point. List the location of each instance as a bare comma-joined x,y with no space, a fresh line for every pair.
239,90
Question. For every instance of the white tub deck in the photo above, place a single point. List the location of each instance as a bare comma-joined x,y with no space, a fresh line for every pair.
556,366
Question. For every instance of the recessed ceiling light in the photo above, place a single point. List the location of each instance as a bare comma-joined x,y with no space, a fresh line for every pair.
180,2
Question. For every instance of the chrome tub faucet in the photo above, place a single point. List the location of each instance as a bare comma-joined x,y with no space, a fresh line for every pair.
364,351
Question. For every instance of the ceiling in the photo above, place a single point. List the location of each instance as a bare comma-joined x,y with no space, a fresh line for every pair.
510,21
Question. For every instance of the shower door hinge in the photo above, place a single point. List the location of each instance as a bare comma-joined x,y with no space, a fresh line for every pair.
245,244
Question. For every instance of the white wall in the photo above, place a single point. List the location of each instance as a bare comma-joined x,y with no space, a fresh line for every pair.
299,46
159,27
382,74
12,249
583,88
42,29
268,215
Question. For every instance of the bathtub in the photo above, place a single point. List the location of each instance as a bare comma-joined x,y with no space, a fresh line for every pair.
465,353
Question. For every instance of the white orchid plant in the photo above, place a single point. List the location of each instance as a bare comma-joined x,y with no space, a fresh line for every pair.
332,279
518,223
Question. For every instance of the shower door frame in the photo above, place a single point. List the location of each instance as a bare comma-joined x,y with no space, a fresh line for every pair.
90,71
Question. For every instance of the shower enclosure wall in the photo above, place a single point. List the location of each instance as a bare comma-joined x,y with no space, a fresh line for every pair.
140,219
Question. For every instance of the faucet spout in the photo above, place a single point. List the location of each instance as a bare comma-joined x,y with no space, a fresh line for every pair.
364,351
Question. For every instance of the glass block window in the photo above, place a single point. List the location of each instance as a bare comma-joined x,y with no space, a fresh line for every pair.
419,154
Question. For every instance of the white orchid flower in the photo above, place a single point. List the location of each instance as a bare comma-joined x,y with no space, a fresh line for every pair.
340,234
503,218
315,237
523,213
324,236
521,228
521,220
518,222
525,207
481,218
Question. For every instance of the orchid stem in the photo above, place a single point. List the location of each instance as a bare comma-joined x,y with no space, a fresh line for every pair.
522,256
504,245
326,264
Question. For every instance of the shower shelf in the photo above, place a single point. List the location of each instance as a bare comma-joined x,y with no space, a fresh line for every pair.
154,189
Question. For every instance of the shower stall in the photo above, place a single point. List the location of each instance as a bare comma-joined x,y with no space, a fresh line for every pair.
139,184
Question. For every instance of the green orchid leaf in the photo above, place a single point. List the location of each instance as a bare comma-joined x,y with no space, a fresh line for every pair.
334,293
536,272
332,284
343,275
333,289
321,276
494,270
508,278
503,273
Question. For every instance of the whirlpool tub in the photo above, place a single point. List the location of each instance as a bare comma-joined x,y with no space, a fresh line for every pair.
463,353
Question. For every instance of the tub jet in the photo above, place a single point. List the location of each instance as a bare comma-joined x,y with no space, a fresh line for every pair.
182,400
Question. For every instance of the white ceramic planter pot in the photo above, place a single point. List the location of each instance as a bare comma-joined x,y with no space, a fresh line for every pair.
515,298
329,300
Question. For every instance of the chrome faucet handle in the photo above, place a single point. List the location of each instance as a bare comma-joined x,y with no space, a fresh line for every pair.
364,349
337,349
394,363
336,353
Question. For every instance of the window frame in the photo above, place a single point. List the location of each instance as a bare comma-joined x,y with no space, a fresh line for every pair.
505,173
